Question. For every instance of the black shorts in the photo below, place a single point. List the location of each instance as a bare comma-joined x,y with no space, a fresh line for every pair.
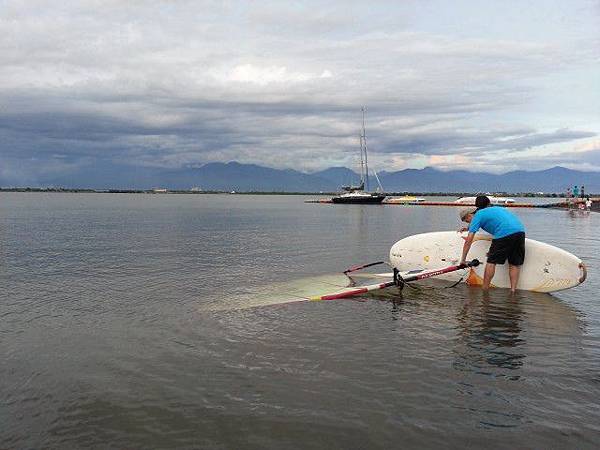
511,247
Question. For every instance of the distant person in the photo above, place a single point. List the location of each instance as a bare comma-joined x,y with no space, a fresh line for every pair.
588,204
508,241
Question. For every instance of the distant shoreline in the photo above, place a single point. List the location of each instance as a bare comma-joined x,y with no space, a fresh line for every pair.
192,192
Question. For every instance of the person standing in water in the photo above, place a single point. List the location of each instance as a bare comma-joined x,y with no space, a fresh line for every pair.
508,241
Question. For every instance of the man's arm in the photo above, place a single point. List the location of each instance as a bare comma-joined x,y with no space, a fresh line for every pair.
467,247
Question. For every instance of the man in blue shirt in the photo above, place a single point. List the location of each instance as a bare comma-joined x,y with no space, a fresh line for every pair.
508,239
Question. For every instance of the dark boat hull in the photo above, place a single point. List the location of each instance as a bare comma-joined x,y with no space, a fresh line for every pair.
372,200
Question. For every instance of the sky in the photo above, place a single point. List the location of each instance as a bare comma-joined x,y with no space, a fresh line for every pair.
477,85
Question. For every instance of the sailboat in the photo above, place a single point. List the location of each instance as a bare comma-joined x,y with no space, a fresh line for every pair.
357,194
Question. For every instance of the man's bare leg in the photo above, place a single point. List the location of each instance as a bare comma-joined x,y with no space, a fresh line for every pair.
513,274
490,270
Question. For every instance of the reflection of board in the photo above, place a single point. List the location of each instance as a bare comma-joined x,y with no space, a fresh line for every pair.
546,269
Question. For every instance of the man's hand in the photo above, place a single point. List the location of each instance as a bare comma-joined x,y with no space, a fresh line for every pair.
467,247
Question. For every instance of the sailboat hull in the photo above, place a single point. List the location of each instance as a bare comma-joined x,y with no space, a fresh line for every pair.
373,199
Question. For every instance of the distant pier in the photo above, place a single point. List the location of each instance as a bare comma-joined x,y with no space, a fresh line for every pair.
562,204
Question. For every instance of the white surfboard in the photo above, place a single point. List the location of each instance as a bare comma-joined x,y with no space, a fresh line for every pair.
546,268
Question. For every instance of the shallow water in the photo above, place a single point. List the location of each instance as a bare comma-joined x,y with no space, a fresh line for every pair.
160,321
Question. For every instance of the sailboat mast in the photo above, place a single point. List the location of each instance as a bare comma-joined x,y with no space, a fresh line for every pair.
362,164
364,147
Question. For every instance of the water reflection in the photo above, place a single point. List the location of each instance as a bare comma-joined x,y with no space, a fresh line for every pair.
496,329
578,213
396,303
489,329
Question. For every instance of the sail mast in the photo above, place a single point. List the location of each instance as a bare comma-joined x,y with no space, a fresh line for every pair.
362,165
363,148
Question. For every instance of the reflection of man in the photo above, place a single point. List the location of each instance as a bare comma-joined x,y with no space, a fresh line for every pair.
490,332
508,240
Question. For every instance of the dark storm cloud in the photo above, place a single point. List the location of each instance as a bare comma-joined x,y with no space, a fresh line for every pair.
450,141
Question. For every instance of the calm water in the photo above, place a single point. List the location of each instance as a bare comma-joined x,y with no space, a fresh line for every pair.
124,324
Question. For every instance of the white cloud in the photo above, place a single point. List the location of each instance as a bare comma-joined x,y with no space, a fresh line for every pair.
249,73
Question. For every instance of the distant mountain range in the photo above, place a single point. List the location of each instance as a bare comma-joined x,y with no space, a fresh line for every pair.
250,177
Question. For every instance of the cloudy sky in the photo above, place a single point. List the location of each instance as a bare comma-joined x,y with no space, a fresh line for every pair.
482,85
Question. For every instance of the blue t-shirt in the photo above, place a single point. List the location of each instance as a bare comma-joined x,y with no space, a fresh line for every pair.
497,221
